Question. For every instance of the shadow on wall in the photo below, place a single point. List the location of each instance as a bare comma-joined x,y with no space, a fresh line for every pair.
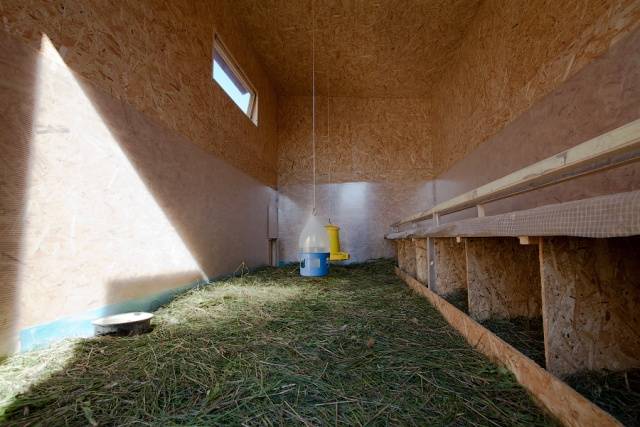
101,195
17,105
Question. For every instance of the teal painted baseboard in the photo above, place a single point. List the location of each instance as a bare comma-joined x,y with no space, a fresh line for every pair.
80,325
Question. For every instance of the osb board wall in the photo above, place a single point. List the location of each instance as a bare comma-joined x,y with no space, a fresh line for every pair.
366,48
503,278
602,96
422,260
407,256
512,54
450,264
100,203
373,160
591,294
157,56
361,139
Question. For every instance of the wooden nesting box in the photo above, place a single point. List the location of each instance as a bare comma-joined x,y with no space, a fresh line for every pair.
591,301
422,260
407,256
448,266
503,278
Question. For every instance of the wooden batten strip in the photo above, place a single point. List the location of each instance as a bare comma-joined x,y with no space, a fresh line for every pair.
553,395
614,148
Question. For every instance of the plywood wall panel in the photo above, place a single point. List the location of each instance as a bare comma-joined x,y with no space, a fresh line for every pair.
407,257
373,161
513,54
503,278
370,139
393,48
101,204
591,295
157,56
422,261
449,266
111,188
602,96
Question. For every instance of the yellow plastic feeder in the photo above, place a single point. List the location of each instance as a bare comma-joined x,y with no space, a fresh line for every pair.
333,231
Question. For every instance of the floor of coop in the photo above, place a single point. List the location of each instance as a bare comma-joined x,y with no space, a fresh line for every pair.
352,348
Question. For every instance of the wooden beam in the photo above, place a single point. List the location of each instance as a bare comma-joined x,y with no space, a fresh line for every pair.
614,148
528,240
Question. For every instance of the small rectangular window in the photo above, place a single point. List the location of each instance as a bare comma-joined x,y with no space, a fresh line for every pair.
233,81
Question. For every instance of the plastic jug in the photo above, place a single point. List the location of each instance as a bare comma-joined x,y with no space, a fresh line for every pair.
313,246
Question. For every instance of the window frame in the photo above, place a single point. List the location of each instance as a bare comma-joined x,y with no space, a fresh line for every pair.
219,48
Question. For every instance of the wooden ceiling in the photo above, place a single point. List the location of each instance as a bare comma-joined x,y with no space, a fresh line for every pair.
367,48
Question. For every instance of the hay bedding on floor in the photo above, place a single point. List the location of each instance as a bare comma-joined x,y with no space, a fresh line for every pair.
354,348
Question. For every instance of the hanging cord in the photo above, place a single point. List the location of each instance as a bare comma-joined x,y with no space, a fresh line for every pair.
331,197
313,106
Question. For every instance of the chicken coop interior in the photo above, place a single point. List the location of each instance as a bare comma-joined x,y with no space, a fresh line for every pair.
320,212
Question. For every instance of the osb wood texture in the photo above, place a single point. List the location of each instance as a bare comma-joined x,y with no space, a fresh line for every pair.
512,54
568,406
365,139
100,203
450,265
391,48
407,256
602,96
157,56
422,260
503,278
591,296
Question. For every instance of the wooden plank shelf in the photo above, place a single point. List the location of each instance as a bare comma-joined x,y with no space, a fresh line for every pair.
614,215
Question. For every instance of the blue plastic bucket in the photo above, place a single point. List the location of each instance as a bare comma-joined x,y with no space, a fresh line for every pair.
314,264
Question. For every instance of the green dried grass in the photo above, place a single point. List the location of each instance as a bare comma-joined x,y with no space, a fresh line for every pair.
525,334
353,348
616,392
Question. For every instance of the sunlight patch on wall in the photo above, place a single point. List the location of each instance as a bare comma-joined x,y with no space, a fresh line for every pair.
90,219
